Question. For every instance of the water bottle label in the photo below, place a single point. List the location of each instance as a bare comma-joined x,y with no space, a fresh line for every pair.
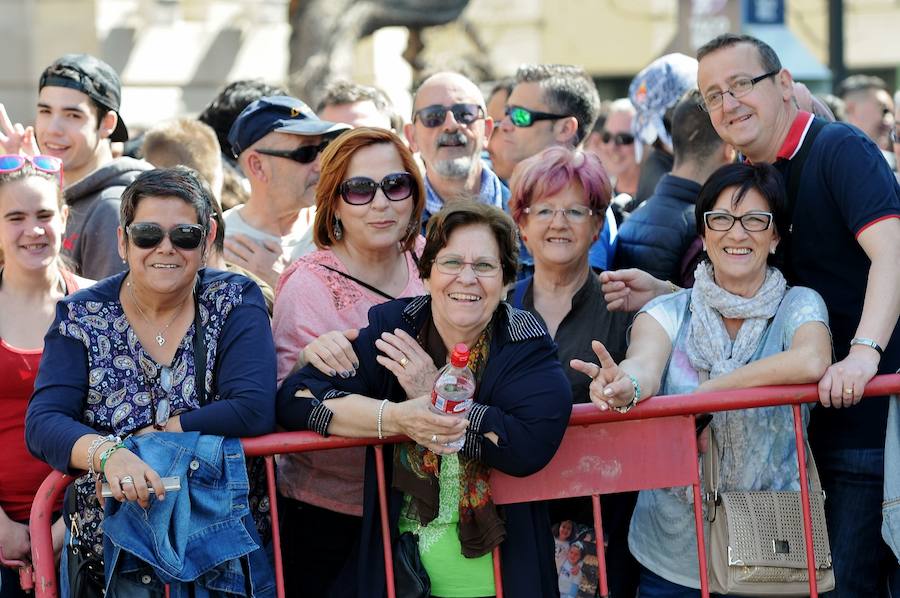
445,405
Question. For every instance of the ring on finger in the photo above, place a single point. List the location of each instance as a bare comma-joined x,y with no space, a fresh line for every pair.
848,391
403,361
126,479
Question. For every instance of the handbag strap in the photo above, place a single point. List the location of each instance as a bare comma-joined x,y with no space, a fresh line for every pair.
366,285
199,350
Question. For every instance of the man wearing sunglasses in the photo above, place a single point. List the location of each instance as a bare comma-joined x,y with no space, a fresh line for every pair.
449,129
77,117
278,141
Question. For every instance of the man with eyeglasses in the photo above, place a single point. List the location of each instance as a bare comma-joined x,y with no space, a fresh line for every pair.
450,128
844,242
277,141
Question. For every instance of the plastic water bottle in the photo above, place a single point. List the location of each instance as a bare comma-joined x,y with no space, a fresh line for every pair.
454,389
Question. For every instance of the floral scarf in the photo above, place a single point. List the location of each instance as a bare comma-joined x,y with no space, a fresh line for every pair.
417,469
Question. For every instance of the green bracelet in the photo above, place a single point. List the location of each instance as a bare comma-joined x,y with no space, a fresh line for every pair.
107,453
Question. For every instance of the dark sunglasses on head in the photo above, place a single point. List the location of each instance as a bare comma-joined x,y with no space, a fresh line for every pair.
15,162
434,115
149,234
360,190
303,154
619,139
523,117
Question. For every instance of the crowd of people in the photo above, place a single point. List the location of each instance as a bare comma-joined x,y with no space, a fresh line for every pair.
268,267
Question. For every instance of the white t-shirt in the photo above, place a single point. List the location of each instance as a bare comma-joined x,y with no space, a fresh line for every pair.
295,245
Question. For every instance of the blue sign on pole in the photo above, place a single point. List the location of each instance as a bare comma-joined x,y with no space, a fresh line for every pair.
764,12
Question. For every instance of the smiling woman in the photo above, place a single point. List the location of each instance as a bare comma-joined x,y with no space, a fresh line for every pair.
167,346
521,409
32,280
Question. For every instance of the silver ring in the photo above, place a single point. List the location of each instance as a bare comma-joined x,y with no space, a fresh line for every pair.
403,361
434,438
126,479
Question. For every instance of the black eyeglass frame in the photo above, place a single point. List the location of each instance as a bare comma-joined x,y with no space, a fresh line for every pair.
304,154
618,139
734,219
374,186
719,96
131,228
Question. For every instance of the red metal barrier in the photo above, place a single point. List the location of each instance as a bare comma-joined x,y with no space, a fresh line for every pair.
652,446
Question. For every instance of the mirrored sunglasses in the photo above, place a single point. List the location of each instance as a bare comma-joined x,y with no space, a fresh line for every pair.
523,117
48,164
361,190
146,235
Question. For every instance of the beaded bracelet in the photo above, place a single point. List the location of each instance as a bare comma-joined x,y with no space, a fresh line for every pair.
636,386
380,414
92,450
108,453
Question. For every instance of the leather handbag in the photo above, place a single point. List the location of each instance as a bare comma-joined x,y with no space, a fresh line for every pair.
410,577
84,568
757,545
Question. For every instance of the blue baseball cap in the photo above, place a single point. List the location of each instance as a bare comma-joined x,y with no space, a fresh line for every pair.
283,114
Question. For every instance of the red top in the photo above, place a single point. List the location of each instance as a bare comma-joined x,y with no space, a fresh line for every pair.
20,473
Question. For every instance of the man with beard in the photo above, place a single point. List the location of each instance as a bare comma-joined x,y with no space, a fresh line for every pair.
449,129
278,141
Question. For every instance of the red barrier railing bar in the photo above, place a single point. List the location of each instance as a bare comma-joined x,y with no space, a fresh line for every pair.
288,442
804,503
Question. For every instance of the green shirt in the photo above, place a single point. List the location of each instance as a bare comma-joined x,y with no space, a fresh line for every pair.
452,575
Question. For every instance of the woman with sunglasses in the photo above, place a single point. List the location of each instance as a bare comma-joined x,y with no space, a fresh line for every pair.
559,200
32,279
369,200
521,409
166,346
739,327
615,146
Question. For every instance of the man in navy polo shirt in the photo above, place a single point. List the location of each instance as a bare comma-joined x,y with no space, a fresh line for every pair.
845,244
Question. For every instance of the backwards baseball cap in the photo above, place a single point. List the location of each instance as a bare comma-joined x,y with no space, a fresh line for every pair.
656,89
94,78
283,114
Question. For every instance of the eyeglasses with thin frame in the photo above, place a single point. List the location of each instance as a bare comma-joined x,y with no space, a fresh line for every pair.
753,222
147,235
453,265
49,164
360,190
162,408
434,116
304,154
618,139
523,117
546,213
739,88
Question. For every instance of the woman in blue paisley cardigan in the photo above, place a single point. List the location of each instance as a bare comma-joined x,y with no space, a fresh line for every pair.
123,356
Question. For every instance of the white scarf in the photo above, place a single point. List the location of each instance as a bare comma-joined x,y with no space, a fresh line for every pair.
709,347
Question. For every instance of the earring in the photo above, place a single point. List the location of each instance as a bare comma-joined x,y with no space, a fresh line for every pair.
772,251
524,238
338,229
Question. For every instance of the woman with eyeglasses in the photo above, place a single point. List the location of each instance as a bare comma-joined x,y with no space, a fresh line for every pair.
559,200
739,327
32,279
134,363
521,409
369,202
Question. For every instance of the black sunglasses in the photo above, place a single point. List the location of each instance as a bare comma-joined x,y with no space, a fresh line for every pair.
360,190
434,115
523,117
619,139
303,154
149,234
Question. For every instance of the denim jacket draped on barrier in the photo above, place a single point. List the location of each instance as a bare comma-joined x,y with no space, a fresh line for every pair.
201,540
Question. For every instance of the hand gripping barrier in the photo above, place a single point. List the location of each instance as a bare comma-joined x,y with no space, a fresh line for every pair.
652,446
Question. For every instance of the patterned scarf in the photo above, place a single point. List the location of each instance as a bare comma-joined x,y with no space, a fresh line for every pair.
417,469
709,346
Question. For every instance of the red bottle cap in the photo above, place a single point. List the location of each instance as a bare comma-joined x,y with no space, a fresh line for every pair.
460,356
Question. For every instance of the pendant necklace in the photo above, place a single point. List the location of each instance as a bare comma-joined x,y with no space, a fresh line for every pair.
160,335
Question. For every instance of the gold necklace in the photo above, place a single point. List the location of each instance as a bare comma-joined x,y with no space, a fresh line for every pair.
160,335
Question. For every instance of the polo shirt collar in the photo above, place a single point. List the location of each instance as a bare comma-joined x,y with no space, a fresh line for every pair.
796,135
